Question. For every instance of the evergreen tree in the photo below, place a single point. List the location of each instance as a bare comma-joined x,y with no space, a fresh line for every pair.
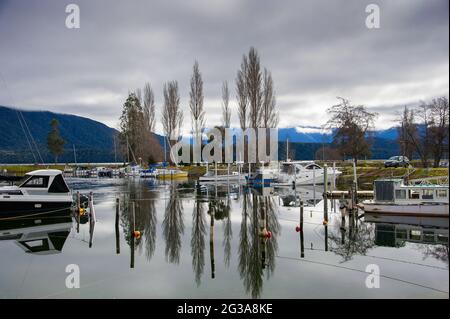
55,142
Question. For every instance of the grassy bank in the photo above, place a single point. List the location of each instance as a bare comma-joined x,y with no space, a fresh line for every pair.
367,175
20,170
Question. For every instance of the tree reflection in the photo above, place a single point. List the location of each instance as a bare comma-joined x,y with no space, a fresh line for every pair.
257,252
227,235
173,226
198,238
145,217
439,252
356,239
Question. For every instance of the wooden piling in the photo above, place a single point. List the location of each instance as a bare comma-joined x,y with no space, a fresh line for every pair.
132,228
117,226
302,239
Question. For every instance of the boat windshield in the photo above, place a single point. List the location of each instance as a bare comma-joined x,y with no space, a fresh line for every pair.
36,182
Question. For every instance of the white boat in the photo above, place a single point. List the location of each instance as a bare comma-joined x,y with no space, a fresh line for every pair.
133,171
42,191
392,196
303,173
262,176
212,177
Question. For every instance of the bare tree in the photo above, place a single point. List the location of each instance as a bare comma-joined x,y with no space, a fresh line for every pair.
351,124
172,115
226,111
241,94
438,133
196,102
407,133
149,107
269,114
254,88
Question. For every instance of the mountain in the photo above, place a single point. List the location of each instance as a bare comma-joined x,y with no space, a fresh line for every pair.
94,141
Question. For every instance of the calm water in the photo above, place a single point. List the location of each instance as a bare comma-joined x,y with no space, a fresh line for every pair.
206,243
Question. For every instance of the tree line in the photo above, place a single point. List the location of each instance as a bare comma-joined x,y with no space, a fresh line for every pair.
422,131
255,95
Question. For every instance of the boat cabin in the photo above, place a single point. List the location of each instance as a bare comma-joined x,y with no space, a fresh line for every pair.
50,180
395,191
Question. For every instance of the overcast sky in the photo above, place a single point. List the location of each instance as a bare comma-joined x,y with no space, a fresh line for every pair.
316,50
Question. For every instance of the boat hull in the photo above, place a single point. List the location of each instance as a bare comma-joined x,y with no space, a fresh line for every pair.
31,208
432,210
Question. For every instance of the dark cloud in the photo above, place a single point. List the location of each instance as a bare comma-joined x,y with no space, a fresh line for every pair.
316,50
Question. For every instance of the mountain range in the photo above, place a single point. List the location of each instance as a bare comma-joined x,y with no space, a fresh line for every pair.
91,141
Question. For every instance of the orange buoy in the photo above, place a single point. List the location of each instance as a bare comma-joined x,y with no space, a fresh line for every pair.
137,234
325,222
81,211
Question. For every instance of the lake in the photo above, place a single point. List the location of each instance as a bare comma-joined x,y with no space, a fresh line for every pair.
223,241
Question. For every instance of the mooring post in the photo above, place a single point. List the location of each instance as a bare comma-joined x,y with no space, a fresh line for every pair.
78,211
132,226
325,199
211,243
117,226
302,240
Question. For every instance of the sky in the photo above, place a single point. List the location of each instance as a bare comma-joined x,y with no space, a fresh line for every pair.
316,50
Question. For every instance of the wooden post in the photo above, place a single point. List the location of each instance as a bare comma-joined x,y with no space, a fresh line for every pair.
132,228
302,240
211,243
78,211
91,219
117,226
325,186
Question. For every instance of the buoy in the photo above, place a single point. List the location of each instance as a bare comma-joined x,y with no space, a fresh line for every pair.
81,211
325,222
269,234
297,229
137,234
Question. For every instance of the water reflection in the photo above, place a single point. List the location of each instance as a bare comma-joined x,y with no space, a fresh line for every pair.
44,234
198,236
173,224
257,250
241,223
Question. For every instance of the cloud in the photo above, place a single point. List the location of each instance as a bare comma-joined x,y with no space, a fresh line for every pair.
316,50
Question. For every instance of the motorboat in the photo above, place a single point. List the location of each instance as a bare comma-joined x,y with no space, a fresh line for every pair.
42,191
392,196
304,173
262,176
212,177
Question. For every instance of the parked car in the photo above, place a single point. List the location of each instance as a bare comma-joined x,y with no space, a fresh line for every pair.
397,161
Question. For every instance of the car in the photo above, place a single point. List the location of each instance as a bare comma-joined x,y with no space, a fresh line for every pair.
397,161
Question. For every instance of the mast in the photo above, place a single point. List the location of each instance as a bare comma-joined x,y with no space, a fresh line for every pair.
74,154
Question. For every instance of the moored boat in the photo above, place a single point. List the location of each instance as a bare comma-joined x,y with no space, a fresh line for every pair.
392,196
42,191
